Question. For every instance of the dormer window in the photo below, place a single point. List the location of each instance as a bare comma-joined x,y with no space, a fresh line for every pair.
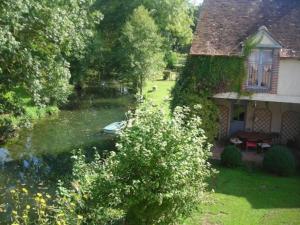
261,61
260,65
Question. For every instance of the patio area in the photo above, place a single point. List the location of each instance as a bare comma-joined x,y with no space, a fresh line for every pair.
252,145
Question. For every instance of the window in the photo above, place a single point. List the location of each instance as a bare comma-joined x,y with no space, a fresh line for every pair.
238,112
260,65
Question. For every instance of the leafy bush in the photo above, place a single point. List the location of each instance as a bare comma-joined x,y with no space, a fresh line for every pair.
279,160
172,59
10,104
7,128
231,156
157,175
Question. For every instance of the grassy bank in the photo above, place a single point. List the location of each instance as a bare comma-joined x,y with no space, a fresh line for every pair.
22,115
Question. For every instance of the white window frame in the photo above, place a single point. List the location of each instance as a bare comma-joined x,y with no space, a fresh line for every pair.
260,71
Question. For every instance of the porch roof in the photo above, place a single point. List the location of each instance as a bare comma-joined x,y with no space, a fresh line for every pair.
260,97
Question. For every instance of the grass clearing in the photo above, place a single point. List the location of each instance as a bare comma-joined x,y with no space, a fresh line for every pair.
162,93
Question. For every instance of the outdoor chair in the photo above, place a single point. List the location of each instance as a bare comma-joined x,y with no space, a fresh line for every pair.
264,145
236,141
250,144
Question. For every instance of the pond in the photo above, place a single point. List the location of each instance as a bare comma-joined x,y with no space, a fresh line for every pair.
41,155
69,130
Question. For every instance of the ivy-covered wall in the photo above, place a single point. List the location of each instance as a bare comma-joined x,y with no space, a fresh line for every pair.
202,77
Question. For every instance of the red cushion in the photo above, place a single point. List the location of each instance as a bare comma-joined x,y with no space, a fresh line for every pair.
250,144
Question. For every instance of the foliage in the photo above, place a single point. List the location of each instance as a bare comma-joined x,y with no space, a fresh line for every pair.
7,128
158,174
172,59
204,76
141,44
174,19
10,103
209,112
207,75
200,79
36,41
42,209
279,160
39,41
231,156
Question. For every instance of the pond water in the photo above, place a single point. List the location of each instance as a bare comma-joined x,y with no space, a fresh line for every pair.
41,155
68,130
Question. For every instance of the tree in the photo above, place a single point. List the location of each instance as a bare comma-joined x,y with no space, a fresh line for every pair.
174,19
142,57
38,42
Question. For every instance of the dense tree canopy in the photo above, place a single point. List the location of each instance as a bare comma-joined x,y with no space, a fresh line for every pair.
174,19
38,40
46,45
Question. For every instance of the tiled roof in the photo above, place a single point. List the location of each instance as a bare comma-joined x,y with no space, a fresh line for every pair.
224,24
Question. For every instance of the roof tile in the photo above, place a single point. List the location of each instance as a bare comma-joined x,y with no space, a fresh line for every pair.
224,24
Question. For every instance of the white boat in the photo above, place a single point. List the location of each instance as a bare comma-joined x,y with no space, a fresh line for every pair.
114,128
4,156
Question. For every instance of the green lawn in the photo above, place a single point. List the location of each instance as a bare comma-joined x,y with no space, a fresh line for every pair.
162,94
250,198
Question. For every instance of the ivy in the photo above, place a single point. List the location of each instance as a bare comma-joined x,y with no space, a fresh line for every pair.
204,76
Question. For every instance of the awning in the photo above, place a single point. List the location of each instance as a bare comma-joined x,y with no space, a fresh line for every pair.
262,97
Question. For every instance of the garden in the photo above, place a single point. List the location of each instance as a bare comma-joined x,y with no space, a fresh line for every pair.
243,194
69,68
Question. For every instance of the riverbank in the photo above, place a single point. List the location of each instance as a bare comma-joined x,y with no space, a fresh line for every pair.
11,124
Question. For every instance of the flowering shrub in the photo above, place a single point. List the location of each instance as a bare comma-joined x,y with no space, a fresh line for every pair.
158,174
30,210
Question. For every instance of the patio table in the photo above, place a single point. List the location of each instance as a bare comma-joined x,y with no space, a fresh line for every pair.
254,137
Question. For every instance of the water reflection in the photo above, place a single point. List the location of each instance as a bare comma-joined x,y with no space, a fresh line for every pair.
42,154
